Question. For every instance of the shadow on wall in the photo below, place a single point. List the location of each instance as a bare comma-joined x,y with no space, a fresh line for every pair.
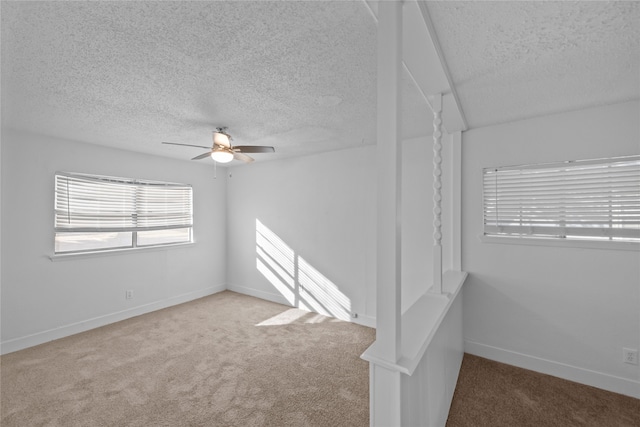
297,281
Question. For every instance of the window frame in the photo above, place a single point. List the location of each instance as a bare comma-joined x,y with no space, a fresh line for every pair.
145,211
587,234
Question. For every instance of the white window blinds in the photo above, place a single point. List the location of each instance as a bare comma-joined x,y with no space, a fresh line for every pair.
590,198
95,203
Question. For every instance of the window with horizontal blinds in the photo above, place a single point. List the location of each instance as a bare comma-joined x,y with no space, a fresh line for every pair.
596,199
96,212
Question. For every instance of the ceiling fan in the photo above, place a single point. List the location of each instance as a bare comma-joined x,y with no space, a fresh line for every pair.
223,152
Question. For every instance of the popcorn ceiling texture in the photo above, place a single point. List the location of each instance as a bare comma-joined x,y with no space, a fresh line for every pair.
518,59
133,74
297,75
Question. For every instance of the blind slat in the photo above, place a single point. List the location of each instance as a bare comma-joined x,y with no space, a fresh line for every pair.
91,203
586,198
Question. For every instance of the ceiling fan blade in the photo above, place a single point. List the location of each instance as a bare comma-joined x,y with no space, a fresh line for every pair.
243,157
186,145
202,156
254,149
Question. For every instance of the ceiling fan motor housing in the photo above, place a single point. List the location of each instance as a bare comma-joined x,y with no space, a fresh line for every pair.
221,138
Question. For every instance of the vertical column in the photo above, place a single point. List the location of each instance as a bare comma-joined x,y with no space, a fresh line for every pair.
388,325
385,386
436,104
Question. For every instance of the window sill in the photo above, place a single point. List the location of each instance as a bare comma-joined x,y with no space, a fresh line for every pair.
120,251
567,243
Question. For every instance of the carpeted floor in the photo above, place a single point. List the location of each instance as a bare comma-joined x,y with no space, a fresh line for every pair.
493,394
234,360
223,360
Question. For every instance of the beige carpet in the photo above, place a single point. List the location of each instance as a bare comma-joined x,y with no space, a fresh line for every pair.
223,360
234,360
493,394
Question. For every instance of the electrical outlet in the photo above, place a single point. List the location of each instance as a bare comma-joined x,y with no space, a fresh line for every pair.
129,294
630,355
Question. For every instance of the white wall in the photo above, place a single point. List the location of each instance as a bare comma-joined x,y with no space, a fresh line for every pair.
318,212
1,204
322,208
417,219
41,299
560,310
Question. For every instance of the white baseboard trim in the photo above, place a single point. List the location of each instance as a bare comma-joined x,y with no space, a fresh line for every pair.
368,321
21,343
277,298
600,380
267,296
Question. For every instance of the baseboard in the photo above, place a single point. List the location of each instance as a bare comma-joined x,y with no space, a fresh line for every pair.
268,296
21,343
561,370
368,321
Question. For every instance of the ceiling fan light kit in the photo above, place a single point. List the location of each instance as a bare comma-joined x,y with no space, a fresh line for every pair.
222,156
222,150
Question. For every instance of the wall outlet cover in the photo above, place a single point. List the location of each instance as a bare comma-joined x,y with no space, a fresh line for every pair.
630,355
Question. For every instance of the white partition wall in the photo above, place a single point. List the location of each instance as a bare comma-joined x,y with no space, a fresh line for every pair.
415,360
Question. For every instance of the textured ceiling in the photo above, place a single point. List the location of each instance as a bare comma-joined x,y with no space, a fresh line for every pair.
297,75
510,60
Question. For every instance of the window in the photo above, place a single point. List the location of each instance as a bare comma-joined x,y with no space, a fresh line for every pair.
587,199
94,213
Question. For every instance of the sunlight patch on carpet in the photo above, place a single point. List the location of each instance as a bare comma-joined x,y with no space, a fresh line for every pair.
284,318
